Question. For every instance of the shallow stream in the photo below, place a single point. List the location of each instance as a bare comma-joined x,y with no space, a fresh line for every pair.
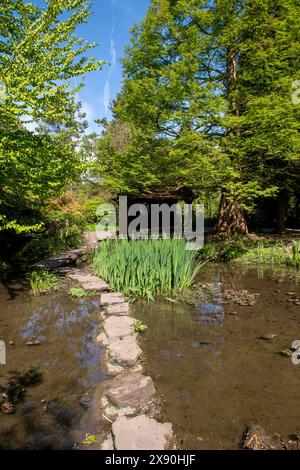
67,357
214,371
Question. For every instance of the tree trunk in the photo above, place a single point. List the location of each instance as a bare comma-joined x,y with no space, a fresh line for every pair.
281,211
231,219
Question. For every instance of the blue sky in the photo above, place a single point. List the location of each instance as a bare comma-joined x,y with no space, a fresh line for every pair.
109,26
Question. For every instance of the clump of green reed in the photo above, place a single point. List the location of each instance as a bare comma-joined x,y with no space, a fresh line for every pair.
147,267
42,282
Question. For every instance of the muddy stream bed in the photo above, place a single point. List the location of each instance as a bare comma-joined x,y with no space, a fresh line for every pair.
217,366
67,357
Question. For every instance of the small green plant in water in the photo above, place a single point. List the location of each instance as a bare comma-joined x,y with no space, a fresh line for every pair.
42,282
89,439
139,327
78,292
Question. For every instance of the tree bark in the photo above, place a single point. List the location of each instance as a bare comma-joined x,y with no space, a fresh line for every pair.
232,220
281,211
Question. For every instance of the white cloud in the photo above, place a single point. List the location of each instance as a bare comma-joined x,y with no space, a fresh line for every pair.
89,111
106,97
113,53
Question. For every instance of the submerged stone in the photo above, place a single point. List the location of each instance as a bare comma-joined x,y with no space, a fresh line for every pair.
211,309
258,439
211,313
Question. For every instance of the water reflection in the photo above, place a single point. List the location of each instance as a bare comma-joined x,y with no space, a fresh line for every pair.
67,356
228,376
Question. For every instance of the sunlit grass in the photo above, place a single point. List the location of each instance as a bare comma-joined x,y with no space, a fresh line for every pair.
276,255
42,282
147,268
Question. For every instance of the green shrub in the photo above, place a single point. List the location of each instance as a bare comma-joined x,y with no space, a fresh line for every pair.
222,251
42,282
146,267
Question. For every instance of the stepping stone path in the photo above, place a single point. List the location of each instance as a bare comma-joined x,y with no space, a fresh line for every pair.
129,400
141,433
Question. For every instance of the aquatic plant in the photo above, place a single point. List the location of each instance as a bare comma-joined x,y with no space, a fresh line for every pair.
147,267
139,327
42,282
78,292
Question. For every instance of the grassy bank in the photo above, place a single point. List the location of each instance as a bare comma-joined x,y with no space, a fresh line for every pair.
262,251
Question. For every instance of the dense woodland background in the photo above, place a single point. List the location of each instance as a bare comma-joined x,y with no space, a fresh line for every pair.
209,105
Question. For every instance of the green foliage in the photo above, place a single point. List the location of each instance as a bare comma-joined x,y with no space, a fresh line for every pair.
146,267
207,102
40,55
42,282
277,255
139,327
78,292
223,251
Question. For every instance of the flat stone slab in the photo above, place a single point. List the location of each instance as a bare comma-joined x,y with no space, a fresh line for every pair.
124,351
118,309
88,280
116,327
133,390
65,259
114,298
141,433
98,236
